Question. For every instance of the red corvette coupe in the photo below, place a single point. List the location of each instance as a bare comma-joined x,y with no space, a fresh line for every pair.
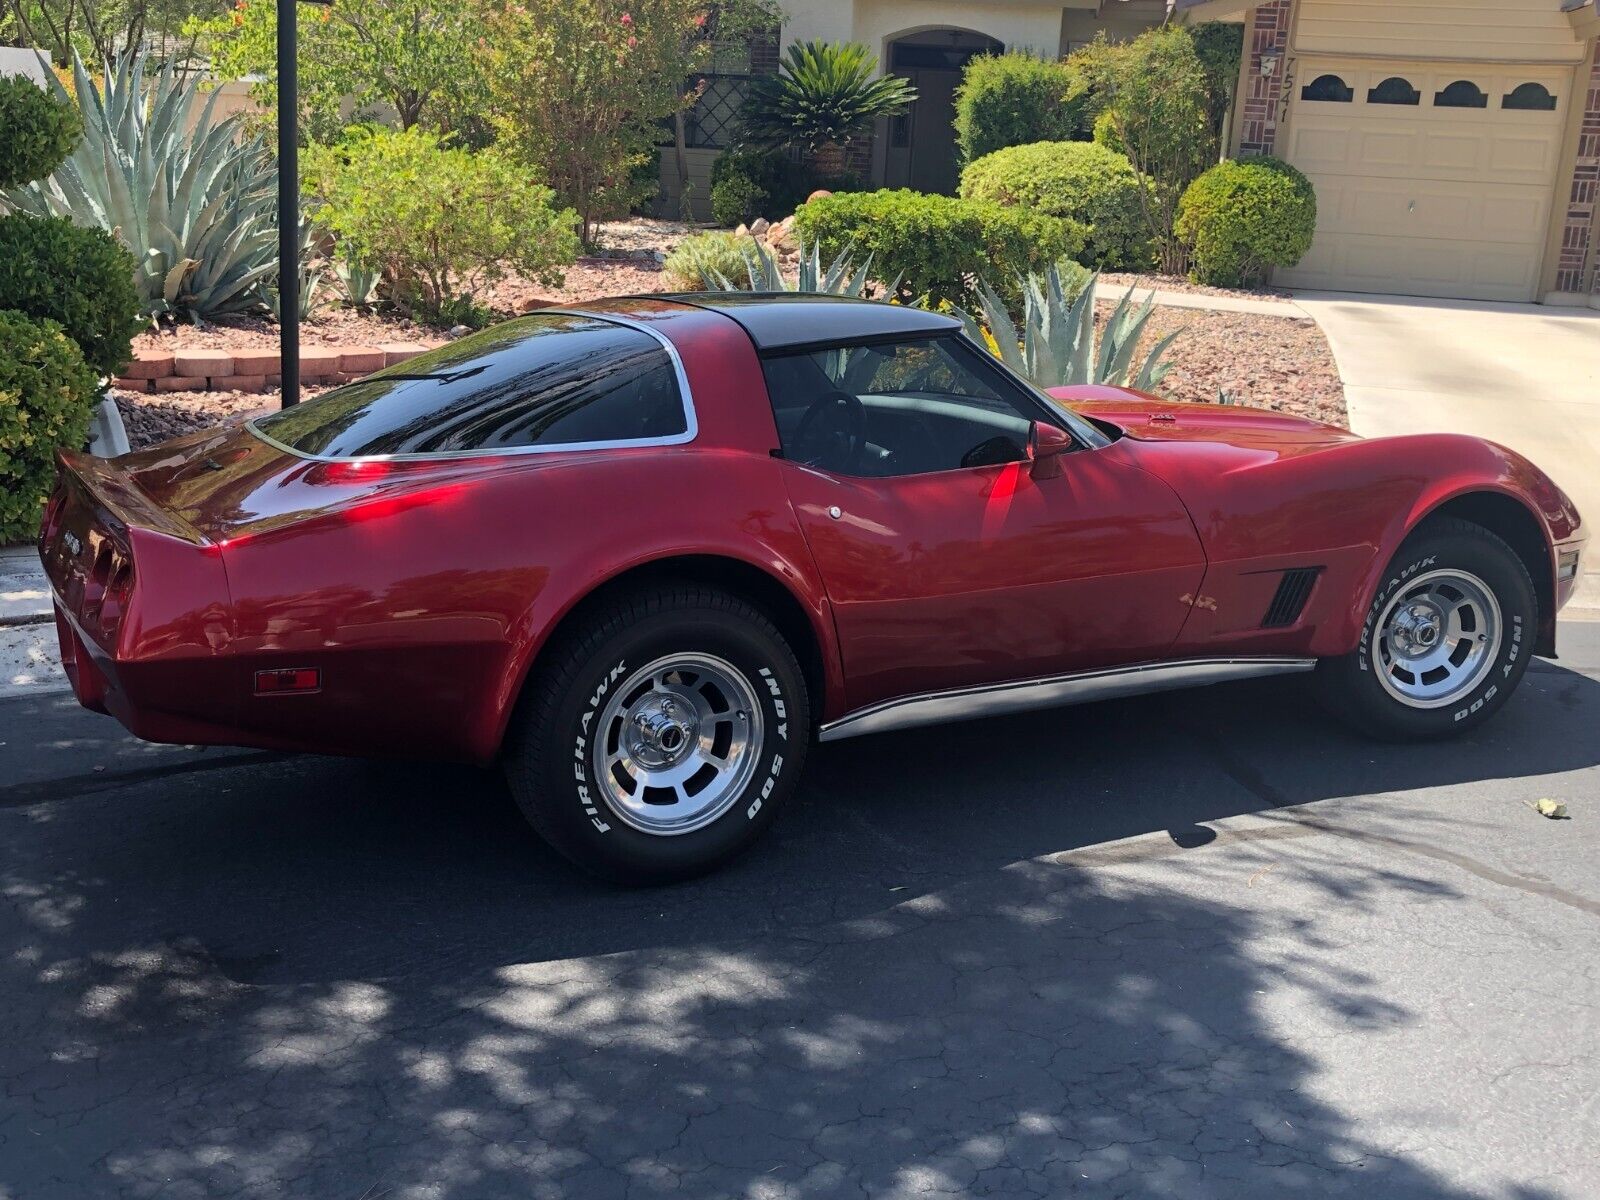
645,551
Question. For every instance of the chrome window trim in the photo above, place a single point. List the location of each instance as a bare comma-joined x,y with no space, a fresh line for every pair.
990,700
686,397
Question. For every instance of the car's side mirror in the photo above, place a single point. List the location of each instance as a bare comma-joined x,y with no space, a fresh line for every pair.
1046,444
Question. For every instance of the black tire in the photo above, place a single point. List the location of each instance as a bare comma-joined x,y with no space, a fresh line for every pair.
550,755
1351,687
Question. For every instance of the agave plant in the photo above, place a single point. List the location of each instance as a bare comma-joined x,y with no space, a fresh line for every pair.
1056,345
840,278
824,95
191,197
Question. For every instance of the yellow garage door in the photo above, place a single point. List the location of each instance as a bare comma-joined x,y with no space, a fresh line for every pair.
1433,179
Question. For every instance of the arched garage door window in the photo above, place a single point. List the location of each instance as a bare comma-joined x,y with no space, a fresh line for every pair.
1463,93
1329,89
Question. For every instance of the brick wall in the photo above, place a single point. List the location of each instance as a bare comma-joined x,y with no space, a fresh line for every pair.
1268,35
1576,267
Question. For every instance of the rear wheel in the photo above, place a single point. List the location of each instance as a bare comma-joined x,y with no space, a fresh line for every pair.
661,736
1446,640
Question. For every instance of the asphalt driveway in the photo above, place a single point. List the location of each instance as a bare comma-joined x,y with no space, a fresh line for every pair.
1199,945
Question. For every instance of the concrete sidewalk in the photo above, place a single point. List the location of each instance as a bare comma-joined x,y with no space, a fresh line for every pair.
29,657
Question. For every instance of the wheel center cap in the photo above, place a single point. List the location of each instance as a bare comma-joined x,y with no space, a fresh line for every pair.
663,730
1417,629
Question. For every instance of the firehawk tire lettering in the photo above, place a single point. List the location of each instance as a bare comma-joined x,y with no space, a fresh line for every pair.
590,809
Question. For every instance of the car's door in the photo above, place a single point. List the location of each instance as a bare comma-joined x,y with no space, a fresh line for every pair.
951,567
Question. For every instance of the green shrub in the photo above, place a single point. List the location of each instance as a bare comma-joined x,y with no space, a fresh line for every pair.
1078,180
1244,216
81,278
440,223
46,392
937,245
37,131
1010,100
697,257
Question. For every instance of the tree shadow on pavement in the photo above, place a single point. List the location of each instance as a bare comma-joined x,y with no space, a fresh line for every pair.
940,975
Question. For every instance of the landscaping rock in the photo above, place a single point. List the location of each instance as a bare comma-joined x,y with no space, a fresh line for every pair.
819,194
534,303
759,226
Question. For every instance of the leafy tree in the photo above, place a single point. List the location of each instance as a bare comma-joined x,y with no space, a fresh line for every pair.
580,89
411,60
824,95
99,29
1156,110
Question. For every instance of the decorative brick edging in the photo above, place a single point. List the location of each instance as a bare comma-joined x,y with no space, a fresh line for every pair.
256,370
1268,37
1583,197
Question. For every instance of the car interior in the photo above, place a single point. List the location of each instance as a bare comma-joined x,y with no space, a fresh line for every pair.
896,408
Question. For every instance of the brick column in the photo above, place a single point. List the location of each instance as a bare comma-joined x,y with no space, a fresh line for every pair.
1576,269
1268,36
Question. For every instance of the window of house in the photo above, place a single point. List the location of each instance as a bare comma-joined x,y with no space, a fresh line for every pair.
1529,97
712,122
1463,93
1394,90
1328,88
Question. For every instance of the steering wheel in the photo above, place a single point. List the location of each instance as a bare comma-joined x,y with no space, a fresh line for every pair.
832,433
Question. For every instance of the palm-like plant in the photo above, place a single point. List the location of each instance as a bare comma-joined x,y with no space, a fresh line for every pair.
191,198
824,95
1056,346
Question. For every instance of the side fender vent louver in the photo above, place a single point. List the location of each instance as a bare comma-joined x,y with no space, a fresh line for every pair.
1294,589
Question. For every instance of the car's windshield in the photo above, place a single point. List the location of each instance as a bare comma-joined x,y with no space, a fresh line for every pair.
546,380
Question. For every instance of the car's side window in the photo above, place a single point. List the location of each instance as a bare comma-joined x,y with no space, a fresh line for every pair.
897,408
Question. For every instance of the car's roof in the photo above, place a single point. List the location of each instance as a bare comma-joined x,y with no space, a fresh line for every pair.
780,320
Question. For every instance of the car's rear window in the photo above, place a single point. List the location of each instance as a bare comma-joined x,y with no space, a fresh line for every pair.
544,380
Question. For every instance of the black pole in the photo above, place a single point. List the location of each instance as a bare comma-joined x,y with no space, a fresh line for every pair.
288,204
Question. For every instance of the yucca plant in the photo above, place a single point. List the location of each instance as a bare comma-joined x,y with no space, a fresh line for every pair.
1056,346
824,94
189,196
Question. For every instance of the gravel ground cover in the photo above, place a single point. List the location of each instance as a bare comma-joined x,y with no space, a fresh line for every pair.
1269,362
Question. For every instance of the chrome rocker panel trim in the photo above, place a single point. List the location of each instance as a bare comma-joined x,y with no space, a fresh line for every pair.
932,708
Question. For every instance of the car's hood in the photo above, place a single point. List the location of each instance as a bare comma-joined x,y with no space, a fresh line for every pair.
1148,419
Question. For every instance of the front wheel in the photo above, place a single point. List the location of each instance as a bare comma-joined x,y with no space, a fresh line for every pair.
662,736
1446,640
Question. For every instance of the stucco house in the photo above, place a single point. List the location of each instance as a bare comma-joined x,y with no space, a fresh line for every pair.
929,42
1454,144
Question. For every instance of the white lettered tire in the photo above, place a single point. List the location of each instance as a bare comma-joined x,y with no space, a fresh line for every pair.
1445,642
661,736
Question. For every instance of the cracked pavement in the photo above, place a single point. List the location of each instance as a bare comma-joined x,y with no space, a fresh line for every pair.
1198,945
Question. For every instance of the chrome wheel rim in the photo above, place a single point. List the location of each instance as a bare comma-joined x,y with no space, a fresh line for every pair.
1438,638
677,743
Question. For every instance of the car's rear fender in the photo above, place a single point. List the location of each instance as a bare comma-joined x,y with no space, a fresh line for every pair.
751,545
